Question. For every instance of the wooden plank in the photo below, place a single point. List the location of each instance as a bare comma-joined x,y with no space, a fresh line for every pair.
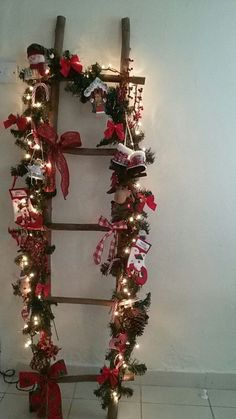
125,46
114,78
75,300
87,378
90,151
112,412
76,227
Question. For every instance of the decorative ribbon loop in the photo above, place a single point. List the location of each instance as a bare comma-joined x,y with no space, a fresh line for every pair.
49,391
146,199
56,157
42,289
113,230
109,374
112,128
68,63
20,121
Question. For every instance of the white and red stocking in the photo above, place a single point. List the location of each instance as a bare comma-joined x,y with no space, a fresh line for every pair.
136,261
25,215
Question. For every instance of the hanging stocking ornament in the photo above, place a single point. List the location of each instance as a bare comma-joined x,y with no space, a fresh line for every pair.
136,261
25,215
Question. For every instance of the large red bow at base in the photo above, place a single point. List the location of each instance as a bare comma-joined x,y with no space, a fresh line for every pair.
56,157
20,121
68,63
113,230
48,395
146,199
108,374
112,128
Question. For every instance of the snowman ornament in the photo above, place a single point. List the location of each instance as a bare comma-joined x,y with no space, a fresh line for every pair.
136,262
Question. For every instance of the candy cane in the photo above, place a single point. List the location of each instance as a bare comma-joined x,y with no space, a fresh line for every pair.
46,89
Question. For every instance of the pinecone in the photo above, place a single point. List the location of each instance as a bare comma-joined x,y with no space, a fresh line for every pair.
39,363
135,320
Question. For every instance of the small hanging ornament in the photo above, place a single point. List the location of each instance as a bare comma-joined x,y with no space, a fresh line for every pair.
36,170
136,261
37,60
25,215
97,91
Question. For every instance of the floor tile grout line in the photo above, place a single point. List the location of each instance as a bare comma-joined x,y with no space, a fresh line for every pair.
71,401
141,402
213,416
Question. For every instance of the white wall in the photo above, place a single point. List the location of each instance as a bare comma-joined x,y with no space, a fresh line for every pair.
186,49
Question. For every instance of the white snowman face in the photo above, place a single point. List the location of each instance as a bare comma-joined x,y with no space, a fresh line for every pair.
36,59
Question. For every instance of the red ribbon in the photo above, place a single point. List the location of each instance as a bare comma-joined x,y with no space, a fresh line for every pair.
146,199
49,390
20,121
110,375
112,128
68,63
56,157
42,289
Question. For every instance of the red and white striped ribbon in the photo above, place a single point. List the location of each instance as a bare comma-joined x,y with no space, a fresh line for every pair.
113,231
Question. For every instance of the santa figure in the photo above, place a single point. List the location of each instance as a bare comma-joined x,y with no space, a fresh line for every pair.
37,60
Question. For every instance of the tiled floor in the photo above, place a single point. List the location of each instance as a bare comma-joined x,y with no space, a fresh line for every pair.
148,402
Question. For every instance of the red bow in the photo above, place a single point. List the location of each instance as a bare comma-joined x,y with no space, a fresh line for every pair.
42,289
146,199
108,374
49,395
68,63
112,128
20,121
113,230
56,157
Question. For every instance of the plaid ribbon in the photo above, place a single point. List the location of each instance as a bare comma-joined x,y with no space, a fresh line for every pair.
114,228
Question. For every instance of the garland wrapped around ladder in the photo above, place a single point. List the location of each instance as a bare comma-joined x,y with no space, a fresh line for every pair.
42,158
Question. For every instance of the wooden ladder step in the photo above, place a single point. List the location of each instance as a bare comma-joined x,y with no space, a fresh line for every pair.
113,78
87,378
76,227
75,300
90,151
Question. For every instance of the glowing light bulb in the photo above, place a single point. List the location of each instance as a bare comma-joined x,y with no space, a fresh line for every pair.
39,296
37,147
31,88
127,250
49,165
128,293
28,118
25,326
131,219
139,217
47,71
144,148
27,156
137,345
116,313
103,66
37,105
133,240
124,365
31,274
120,357
27,344
28,97
126,290
124,281
29,142
137,185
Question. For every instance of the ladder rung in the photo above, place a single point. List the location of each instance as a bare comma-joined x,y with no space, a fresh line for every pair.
87,378
112,78
90,151
75,300
76,227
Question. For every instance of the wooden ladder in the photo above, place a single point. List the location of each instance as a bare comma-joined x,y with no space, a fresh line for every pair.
125,51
